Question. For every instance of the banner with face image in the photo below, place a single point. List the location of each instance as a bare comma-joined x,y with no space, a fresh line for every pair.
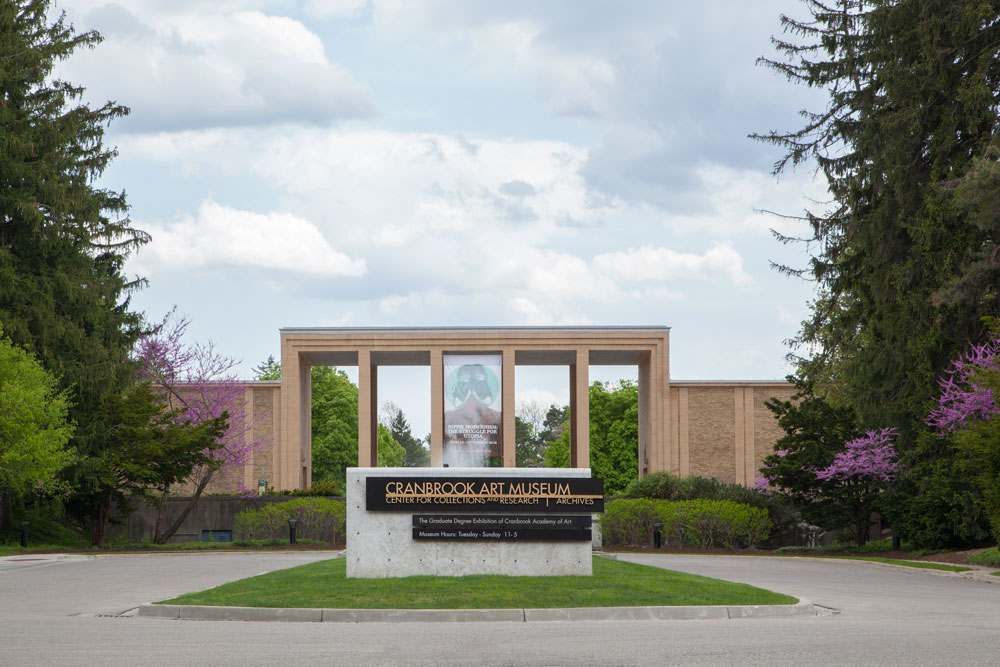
472,409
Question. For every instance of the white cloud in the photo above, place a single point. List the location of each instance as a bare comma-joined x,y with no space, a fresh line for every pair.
213,67
436,220
536,397
220,236
334,8
658,264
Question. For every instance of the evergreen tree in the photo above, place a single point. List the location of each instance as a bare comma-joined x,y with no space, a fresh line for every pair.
913,94
269,369
63,239
904,257
416,455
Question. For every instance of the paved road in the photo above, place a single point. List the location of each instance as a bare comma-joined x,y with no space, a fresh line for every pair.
889,616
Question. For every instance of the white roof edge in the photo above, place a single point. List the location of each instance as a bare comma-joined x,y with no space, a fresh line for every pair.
610,327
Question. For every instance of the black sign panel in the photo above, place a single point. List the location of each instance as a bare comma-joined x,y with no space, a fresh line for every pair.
502,527
552,495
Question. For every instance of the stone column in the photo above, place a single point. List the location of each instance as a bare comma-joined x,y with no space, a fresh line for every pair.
645,414
291,421
580,410
367,410
250,431
303,462
509,428
437,408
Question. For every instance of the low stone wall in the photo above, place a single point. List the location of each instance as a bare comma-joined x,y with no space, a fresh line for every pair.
212,513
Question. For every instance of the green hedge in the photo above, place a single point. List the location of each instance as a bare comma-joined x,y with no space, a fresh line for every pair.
320,519
685,523
667,486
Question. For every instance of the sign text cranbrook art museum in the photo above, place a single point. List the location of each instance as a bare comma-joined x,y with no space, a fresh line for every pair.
523,499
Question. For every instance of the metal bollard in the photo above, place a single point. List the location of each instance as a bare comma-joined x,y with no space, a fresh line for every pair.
657,535
291,530
24,533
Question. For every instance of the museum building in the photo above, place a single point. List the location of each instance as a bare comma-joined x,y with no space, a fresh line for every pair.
719,429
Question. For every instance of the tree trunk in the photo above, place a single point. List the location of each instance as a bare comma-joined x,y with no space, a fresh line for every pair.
101,521
175,526
6,511
861,527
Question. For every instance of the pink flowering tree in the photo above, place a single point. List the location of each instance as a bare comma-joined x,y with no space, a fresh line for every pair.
968,413
834,476
860,474
967,393
198,384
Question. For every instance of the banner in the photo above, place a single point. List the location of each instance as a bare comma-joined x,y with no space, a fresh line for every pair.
472,410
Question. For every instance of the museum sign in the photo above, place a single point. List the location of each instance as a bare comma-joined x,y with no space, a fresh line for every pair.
510,494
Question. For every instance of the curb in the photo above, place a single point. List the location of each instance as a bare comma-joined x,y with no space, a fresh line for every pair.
205,613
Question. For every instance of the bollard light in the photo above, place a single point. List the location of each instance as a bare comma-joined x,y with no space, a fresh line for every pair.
24,533
291,530
657,534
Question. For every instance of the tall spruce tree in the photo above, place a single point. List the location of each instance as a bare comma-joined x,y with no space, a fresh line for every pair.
913,93
417,455
63,237
904,257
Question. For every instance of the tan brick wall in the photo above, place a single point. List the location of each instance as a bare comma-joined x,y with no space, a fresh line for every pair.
723,429
766,429
228,478
712,432
264,428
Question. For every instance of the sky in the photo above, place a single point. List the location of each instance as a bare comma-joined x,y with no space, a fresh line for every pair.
457,162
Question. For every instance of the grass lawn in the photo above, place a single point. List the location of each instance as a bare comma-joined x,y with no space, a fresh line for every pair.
614,584
987,557
920,564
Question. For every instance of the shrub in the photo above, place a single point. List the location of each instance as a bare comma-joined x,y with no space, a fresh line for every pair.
685,523
323,487
667,486
318,519
712,523
628,522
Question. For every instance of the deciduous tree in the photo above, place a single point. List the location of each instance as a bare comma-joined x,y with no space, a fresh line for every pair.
198,386
34,431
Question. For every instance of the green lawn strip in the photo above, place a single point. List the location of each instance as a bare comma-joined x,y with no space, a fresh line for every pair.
995,574
987,557
919,564
17,550
614,584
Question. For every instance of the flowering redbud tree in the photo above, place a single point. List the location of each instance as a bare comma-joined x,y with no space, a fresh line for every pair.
966,392
860,473
833,476
967,411
199,384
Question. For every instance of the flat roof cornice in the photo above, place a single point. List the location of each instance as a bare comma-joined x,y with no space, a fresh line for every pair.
478,329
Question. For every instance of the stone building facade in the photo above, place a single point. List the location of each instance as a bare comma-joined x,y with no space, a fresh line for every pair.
719,429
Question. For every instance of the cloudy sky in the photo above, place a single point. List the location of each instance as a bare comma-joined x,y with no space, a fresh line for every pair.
370,162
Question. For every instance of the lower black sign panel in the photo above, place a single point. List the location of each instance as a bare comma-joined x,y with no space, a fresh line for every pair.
502,527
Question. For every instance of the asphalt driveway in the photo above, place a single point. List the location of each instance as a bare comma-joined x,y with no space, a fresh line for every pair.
65,611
